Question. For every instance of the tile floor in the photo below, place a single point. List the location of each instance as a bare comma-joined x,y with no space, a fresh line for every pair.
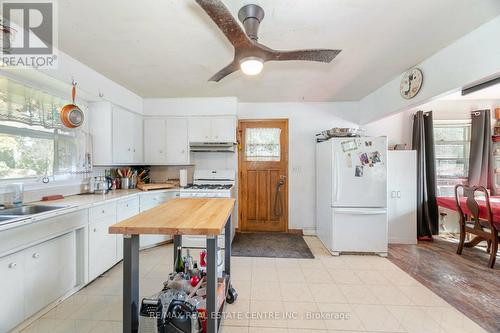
343,294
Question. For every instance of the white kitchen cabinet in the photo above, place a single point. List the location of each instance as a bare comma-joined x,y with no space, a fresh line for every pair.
123,136
200,129
102,244
149,201
223,129
154,141
177,141
138,147
402,196
11,291
50,272
117,135
125,209
212,129
166,141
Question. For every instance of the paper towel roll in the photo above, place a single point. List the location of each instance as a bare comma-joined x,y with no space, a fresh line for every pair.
183,177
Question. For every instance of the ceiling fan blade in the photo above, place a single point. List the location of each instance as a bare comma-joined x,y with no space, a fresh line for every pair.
232,67
226,22
320,55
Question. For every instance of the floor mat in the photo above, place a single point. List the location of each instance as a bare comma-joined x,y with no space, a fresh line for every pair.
272,245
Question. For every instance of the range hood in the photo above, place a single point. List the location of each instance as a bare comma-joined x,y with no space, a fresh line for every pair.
226,147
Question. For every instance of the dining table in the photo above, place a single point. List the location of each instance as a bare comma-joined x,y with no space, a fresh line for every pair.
450,203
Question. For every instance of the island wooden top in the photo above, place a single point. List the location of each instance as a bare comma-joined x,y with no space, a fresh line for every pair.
184,216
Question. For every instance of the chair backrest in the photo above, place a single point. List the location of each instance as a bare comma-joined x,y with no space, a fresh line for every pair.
469,194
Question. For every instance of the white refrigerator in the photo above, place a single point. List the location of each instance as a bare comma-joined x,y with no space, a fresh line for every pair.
351,194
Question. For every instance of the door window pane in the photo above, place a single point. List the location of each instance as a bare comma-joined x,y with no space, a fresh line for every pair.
262,144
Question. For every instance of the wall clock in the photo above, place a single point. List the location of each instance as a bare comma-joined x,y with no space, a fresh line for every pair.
411,82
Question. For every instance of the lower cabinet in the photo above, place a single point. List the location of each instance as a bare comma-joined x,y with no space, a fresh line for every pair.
102,244
149,201
35,277
12,291
125,209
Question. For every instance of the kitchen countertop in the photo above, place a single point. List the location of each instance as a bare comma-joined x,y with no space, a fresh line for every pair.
76,202
186,216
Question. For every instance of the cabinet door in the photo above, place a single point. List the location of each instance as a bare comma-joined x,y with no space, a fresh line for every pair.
123,136
177,141
124,209
149,201
199,129
42,276
154,141
102,246
12,291
138,139
223,129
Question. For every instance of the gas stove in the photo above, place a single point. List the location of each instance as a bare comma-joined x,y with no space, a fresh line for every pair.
211,184
210,187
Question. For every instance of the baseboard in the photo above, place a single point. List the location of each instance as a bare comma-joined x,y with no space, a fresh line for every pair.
296,232
398,240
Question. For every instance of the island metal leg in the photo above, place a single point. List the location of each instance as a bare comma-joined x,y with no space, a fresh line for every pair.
177,243
227,246
212,311
130,283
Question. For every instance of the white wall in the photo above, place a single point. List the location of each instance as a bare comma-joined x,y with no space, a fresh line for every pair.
304,121
398,127
471,58
89,83
203,106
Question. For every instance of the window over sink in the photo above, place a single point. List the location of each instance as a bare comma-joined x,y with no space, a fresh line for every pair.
33,141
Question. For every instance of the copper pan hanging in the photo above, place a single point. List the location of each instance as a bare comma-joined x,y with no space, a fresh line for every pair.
71,115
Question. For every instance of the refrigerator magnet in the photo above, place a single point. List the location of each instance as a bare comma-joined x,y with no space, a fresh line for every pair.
359,171
349,145
363,158
348,160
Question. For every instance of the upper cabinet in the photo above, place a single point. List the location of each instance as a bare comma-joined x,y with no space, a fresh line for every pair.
117,135
212,129
166,141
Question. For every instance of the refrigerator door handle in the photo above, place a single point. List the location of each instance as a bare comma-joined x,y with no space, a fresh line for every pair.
359,211
336,177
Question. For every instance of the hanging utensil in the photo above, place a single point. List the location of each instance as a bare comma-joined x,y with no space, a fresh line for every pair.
71,115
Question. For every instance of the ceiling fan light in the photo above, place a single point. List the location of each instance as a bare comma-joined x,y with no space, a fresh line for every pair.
251,65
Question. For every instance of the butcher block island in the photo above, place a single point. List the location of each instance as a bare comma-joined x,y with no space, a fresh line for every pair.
185,216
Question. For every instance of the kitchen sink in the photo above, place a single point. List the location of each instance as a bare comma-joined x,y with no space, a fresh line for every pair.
27,210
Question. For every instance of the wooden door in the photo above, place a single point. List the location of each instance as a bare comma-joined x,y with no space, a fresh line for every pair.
263,175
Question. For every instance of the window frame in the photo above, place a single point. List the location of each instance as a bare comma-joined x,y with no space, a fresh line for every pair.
453,180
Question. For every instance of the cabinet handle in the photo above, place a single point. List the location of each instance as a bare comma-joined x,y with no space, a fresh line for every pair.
129,149
399,194
12,265
36,255
161,151
126,205
95,230
103,211
177,194
134,150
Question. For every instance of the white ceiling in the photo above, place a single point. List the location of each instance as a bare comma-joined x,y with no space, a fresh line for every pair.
169,48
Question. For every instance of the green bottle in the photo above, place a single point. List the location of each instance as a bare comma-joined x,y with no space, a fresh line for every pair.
179,263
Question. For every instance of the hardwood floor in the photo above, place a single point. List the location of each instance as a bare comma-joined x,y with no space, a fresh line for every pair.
463,281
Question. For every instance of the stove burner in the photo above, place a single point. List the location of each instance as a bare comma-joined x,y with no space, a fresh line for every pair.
211,186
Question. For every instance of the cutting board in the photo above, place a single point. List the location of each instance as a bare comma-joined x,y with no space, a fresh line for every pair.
157,186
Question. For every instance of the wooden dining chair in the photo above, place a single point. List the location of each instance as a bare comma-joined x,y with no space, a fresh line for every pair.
484,229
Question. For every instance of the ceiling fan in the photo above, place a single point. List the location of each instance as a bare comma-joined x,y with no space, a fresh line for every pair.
249,55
